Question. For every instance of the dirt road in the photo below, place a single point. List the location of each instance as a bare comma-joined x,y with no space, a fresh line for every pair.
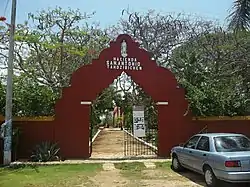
112,143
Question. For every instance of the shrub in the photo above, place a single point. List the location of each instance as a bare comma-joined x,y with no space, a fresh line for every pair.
44,152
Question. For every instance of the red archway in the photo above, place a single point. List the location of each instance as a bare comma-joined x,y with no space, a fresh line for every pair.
72,118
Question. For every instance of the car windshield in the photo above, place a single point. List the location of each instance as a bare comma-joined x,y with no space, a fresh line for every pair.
231,143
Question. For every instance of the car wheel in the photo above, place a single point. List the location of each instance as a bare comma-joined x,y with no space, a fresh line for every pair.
210,178
176,165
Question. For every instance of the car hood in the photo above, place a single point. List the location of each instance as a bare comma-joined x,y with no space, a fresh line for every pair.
177,147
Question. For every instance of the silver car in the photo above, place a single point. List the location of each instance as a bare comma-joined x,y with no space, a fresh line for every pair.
221,156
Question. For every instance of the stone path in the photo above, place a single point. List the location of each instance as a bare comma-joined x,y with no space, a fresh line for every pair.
108,166
150,165
111,166
110,176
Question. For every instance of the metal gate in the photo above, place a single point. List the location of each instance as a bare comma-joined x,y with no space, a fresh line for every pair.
140,146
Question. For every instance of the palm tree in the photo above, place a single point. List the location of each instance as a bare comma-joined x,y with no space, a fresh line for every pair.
239,17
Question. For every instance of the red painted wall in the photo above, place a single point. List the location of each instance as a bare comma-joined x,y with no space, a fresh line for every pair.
34,132
225,126
181,135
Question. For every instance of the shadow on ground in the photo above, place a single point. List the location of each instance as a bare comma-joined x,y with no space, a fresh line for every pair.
199,180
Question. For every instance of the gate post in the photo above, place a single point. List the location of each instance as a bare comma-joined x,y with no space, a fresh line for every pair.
72,129
89,103
163,129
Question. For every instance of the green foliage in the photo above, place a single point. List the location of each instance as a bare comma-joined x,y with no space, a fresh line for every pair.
53,44
141,98
44,152
32,98
212,68
104,104
108,120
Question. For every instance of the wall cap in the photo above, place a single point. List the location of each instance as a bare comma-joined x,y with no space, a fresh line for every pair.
221,118
198,118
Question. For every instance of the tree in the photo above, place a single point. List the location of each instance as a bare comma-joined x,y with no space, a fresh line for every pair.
201,55
239,17
52,44
210,68
160,33
3,47
31,98
210,63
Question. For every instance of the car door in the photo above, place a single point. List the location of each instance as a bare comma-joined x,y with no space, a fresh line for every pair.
187,152
201,153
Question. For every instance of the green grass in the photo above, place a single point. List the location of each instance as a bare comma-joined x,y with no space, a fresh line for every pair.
163,165
131,170
49,176
79,174
137,172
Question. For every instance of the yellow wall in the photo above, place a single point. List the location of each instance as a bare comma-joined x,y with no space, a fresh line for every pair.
51,118
38,118
226,118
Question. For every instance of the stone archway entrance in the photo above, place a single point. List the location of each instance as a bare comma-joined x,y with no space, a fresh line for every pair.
72,119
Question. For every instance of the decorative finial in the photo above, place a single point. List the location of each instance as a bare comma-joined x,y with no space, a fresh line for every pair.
124,49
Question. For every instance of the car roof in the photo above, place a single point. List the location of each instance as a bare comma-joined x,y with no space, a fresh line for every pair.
219,134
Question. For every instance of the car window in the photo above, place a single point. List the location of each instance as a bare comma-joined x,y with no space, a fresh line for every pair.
203,144
231,143
192,142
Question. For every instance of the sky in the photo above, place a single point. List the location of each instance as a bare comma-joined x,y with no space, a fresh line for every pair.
110,11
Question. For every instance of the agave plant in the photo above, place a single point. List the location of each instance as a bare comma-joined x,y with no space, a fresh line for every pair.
44,152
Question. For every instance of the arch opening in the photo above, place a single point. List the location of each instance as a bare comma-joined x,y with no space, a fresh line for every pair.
112,113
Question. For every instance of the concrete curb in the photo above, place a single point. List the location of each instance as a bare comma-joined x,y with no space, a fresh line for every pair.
93,139
69,162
